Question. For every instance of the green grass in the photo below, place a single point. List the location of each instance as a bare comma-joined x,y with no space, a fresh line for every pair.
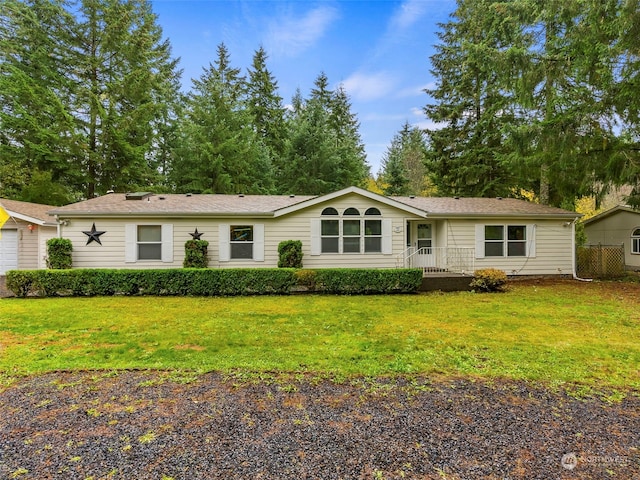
565,332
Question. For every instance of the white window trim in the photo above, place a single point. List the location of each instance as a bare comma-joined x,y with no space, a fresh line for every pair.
530,239
224,243
635,242
386,242
131,242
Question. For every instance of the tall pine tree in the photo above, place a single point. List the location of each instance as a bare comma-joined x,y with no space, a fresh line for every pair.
37,130
403,164
325,151
470,102
125,76
220,150
266,110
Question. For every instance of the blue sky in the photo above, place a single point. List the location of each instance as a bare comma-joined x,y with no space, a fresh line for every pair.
378,49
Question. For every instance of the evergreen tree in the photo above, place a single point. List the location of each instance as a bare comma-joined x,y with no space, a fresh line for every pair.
125,77
471,102
311,162
403,164
325,152
623,167
37,131
220,151
352,165
265,109
395,178
561,133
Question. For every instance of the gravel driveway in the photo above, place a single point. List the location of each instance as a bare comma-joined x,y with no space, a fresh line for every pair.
156,425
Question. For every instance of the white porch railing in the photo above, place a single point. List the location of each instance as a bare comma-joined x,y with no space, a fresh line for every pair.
439,259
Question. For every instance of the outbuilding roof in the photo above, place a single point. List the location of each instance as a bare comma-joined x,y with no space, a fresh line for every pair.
147,204
608,213
27,211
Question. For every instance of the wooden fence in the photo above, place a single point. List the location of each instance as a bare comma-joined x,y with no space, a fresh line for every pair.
600,261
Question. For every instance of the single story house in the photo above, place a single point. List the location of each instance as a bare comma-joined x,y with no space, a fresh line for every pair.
348,228
619,225
23,241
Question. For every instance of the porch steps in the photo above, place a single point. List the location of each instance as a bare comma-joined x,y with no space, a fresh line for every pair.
446,283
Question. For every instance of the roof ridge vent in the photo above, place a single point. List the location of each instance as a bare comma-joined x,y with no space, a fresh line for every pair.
138,195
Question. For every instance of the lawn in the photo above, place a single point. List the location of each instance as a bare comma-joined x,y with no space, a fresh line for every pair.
554,332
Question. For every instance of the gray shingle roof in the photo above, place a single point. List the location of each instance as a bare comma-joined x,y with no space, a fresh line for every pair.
181,204
28,209
267,205
448,206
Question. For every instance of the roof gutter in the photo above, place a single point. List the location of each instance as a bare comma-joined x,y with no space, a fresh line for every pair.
59,214
549,216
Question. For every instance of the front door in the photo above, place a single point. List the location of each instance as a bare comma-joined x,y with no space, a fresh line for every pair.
424,245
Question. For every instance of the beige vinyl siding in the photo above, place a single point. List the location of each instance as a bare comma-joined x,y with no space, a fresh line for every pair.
28,250
441,227
294,226
552,246
31,243
616,229
45,233
297,226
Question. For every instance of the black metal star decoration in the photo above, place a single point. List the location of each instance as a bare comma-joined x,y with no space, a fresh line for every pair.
94,235
196,235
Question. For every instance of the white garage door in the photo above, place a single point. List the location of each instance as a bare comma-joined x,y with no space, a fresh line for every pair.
8,251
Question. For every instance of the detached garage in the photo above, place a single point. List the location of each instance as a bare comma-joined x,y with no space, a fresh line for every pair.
23,245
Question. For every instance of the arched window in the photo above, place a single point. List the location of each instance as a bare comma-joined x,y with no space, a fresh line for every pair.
351,232
635,241
329,211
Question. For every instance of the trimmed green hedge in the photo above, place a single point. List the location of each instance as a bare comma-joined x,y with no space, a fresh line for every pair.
356,281
209,282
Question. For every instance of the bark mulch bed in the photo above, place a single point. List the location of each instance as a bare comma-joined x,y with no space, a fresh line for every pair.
155,425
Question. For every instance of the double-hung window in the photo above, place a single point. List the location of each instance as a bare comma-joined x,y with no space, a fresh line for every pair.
372,231
505,240
330,231
149,241
351,231
241,241
635,242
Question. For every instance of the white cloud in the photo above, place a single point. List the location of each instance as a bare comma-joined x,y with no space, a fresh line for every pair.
361,86
409,13
289,36
414,91
429,125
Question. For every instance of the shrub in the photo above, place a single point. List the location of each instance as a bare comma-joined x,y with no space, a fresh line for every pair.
489,280
195,254
187,281
59,253
210,282
358,281
290,254
306,278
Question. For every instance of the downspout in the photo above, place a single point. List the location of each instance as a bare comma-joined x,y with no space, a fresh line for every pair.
58,226
573,254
